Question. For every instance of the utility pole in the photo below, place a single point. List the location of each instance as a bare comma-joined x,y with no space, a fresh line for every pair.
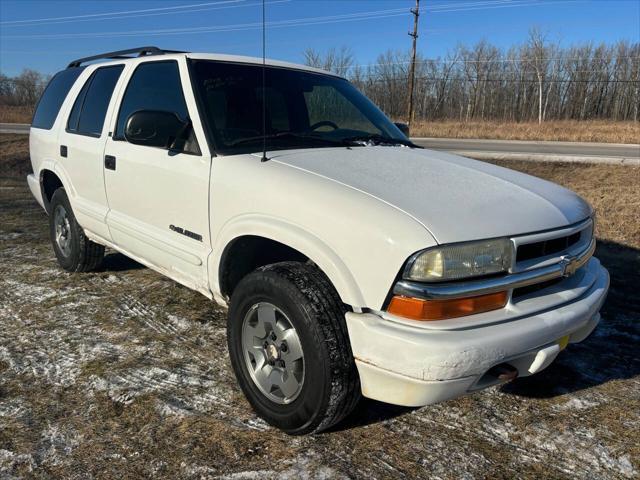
412,72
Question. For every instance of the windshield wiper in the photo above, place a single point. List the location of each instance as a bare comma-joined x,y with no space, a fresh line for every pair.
378,139
294,135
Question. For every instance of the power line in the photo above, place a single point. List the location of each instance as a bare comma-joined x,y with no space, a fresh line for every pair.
499,4
478,5
233,27
154,14
443,7
95,15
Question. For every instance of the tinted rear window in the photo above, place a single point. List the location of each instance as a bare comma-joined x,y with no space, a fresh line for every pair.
90,108
53,96
74,116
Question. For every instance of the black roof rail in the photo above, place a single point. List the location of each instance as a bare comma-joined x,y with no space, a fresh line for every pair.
141,51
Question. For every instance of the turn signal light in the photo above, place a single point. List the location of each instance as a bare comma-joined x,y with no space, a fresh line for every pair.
417,309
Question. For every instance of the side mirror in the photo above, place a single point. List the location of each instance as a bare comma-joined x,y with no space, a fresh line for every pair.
403,127
154,128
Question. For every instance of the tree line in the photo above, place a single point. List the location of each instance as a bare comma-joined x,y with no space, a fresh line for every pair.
536,81
22,90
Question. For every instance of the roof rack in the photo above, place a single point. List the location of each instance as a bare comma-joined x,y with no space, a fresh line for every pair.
141,51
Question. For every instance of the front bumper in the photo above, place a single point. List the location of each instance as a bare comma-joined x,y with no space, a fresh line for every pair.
411,365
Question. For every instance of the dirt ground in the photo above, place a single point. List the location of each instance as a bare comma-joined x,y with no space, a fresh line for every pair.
124,374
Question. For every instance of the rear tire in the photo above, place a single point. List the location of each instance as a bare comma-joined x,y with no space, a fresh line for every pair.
303,392
74,251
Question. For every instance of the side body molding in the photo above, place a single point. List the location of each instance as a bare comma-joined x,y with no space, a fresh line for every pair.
294,236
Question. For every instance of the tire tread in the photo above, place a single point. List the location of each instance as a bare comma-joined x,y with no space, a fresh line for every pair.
90,254
330,312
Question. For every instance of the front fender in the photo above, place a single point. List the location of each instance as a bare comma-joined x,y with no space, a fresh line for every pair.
294,236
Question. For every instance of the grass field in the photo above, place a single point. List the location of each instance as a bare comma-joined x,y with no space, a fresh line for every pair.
122,373
11,114
554,130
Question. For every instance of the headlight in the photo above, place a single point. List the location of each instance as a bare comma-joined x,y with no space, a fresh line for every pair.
456,262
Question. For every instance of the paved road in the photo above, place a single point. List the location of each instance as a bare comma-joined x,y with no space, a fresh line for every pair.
582,149
502,149
14,128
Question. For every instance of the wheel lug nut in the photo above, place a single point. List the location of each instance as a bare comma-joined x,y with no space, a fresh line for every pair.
281,363
265,344
283,347
273,336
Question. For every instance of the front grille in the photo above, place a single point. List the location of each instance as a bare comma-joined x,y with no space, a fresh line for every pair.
522,291
546,247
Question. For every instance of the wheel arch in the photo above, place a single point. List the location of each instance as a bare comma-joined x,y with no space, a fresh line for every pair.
53,173
49,183
289,242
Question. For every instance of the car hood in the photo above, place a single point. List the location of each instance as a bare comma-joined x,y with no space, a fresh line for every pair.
455,198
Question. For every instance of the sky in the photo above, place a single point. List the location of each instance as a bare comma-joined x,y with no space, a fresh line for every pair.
46,34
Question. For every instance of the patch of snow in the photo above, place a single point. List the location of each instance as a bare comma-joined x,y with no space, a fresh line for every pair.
301,468
180,323
581,452
33,293
57,444
10,460
10,236
12,408
577,403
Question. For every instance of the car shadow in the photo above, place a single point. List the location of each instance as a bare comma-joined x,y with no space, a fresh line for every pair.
368,412
610,352
117,262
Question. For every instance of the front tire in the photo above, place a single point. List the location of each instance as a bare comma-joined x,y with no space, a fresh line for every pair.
290,349
74,251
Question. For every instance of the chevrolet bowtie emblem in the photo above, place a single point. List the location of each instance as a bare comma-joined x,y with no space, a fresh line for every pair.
569,265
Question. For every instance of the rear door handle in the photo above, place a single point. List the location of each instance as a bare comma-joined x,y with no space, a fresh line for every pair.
110,162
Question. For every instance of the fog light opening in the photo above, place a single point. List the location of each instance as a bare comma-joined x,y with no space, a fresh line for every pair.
503,372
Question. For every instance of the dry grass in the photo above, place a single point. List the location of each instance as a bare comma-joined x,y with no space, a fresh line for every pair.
122,373
565,130
14,155
569,130
11,114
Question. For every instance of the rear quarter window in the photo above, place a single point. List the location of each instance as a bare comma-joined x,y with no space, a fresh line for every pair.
53,97
89,110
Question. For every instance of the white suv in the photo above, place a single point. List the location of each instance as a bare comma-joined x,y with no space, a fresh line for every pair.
352,261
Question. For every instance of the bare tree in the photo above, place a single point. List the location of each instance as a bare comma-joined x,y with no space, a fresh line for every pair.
25,89
537,58
338,61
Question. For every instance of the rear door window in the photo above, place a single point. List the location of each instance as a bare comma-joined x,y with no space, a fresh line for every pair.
90,108
53,97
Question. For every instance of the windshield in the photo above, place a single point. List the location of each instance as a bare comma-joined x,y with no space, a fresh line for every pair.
303,109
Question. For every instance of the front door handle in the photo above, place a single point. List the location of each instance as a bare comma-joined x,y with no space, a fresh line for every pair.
110,162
